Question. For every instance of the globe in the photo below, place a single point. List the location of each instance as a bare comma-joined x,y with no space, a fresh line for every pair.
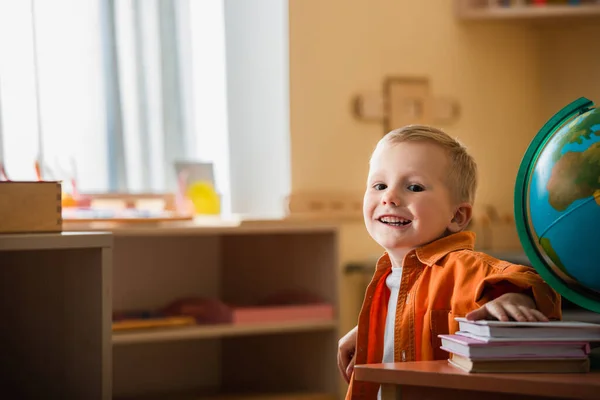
557,203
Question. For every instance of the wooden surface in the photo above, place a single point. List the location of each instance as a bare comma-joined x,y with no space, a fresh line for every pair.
245,396
56,301
240,263
206,226
438,374
55,241
506,13
217,331
30,207
554,12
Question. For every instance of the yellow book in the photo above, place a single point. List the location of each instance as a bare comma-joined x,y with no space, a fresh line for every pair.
146,323
522,365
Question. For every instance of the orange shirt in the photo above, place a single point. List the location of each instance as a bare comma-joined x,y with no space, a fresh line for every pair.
440,281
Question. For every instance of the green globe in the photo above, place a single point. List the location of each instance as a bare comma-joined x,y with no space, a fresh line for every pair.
557,203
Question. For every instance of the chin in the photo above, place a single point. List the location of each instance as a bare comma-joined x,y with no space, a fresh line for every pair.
395,245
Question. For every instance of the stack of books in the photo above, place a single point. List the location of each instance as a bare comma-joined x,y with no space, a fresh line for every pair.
519,347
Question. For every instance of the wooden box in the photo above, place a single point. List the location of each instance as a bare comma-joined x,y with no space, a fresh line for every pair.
30,207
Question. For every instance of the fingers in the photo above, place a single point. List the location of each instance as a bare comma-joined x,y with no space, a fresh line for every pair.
540,317
525,314
346,353
506,312
350,368
491,309
514,306
344,358
346,365
497,311
342,367
480,313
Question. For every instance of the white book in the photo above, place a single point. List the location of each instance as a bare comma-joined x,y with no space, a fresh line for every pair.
489,339
471,347
556,330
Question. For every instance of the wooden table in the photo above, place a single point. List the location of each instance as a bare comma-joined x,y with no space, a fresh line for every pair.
438,380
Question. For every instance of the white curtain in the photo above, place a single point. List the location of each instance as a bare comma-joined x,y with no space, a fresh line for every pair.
68,123
113,92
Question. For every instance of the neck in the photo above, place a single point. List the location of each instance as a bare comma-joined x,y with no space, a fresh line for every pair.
397,256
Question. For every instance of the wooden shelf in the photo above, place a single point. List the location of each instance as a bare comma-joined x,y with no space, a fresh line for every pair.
527,12
216,331
57,296
249,396
204,226
238,262
55,241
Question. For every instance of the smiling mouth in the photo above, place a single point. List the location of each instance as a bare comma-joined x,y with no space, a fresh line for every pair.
394,221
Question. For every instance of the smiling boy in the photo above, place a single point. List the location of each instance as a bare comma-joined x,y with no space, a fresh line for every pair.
417,204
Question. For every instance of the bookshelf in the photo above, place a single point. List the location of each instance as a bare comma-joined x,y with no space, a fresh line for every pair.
217,331
238,262
474,10
56,310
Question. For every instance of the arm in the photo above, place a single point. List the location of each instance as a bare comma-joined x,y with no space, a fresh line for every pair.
516,292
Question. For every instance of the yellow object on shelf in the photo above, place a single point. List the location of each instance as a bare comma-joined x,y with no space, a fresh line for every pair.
142,323
68,200
204,198
279,396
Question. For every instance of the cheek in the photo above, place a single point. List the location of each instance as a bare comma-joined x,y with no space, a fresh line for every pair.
369,204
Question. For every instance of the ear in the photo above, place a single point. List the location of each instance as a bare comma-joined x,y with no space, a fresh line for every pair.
461,218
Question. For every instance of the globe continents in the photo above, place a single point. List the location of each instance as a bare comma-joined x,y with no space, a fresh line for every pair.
557,203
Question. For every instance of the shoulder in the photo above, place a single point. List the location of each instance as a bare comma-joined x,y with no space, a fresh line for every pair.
468,259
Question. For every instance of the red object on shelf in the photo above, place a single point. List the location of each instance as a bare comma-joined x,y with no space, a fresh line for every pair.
286,313
204,310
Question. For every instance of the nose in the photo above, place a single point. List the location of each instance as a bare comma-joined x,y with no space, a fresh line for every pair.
390,198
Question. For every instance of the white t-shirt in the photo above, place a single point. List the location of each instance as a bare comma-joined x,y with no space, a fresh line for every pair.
393,283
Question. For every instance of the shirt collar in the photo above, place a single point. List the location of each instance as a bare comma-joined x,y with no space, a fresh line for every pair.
431,253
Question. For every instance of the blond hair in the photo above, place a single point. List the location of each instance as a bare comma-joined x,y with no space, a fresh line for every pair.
462,176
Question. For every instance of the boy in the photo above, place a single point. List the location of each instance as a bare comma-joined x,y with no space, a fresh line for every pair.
418,201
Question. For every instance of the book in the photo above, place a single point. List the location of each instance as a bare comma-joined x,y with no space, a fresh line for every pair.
525,365
478,349
583,331
147,323
492,339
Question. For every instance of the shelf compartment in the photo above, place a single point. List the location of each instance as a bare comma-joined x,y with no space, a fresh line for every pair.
217,331
259,268
466,11
246,396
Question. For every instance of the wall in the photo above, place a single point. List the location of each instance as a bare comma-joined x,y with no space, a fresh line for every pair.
339,48
569,65
256,35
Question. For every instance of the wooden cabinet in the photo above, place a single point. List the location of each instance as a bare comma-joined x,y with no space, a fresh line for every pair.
240,264
55,306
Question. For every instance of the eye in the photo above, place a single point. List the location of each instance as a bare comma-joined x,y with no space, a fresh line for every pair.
416,188
380,186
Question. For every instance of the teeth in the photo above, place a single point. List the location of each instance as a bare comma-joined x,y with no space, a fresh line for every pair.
394,220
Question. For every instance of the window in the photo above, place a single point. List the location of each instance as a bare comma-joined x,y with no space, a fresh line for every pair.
114,92
51,90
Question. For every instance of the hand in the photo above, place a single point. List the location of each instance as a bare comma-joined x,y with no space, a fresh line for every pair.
347,353
517,306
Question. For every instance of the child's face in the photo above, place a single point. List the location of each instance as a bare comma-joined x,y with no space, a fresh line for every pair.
407,201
